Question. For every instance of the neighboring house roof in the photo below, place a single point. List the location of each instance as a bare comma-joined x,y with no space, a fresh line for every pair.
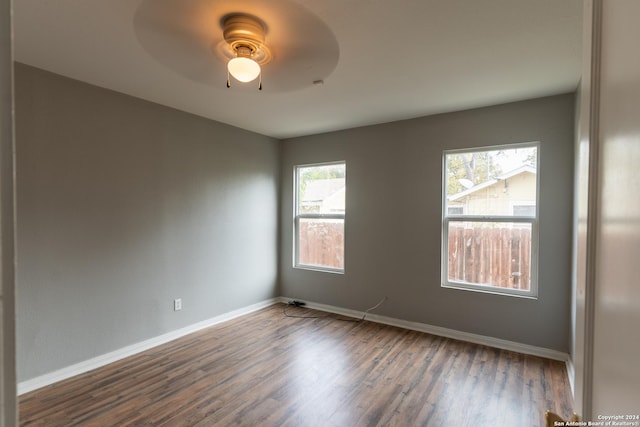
489,183
327,195
320,189
335,202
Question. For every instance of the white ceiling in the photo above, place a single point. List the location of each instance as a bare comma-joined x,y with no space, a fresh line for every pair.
381,60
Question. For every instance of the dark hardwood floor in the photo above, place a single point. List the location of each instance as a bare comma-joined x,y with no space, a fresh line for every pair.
265,369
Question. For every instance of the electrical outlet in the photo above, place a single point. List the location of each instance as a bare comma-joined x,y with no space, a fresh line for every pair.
177,304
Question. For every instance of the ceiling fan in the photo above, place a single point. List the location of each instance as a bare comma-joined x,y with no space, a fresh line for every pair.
207,41
245,37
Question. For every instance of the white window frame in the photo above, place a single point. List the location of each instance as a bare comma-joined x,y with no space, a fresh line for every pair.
297,216
532,220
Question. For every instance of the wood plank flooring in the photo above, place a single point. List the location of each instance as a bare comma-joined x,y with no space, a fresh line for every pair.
266,369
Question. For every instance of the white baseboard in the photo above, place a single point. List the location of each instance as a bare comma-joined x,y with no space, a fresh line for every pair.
105,359
444,332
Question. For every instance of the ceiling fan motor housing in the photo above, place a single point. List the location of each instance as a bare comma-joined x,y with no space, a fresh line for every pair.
243,32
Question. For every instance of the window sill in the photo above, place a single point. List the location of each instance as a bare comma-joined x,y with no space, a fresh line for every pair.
319,269
491,290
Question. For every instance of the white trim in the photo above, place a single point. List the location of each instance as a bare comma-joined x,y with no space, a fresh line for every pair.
571,373
444,332
590,132
105,359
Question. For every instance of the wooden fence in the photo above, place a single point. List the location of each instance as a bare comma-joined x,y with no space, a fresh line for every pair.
496,256
321,243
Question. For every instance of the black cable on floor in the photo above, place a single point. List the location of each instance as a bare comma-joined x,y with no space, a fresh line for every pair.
284,311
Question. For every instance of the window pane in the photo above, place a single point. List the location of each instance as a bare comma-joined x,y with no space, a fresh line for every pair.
495,254
321,242
321,189
492,182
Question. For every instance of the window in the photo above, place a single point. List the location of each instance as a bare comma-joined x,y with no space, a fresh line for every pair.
490,219
319,216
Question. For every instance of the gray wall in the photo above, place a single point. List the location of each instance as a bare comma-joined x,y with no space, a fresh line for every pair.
124,205
7,224
392,240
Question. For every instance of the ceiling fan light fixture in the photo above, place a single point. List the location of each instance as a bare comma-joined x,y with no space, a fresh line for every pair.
245,36
243,69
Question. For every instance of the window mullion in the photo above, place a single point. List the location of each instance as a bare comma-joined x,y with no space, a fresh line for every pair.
320,216
478,218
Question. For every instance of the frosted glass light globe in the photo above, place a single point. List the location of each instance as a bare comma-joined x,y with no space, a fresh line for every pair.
243,69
